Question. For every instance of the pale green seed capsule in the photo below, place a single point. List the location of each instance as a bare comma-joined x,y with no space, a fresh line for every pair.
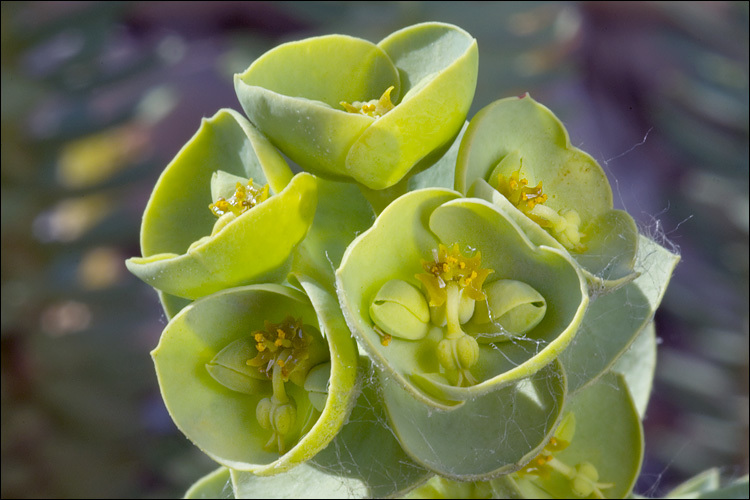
581,487
284,417
512,307
400,309
584,482
467,351
588,470
263,412
444,353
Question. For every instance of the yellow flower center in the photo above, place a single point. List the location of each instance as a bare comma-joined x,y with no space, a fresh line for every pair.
450,266
563,225
374,108
244,198
284,344
519,193
454,282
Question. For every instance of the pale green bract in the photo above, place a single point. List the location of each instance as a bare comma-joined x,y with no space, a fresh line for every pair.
294,95
432,308
407,234
518,136
185,252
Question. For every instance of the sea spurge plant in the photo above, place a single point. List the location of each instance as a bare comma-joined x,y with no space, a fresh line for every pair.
431,307
347,108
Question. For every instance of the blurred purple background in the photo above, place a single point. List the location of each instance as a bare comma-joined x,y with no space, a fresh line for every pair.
98,97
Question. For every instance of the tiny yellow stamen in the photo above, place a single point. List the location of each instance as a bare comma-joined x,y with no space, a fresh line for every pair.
452,266
243,199
522,197
374,108
275,347
386,340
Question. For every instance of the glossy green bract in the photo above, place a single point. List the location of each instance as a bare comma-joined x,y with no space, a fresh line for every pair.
404,239
215,397
186,252
294,95
557,186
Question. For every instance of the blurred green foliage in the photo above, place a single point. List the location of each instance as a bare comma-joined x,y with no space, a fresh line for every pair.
98,97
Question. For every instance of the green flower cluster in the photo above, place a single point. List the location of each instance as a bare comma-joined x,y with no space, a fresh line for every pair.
428,308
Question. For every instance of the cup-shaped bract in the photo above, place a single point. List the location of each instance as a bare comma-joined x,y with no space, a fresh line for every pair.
233,368
596,451
227,165
517,154
450,249
346,108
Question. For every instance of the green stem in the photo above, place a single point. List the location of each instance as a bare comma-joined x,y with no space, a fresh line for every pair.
277,379
452,306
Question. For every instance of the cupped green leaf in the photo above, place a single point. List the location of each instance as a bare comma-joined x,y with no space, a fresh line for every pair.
222,421
177,212
492,434
438,66
604,453
216,484
179,257
518,136
293,94
296,92
254,247
614,320
404,237
523,126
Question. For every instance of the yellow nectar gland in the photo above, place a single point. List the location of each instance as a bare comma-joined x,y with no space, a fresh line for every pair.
449,266
282,344
374,108
243,199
